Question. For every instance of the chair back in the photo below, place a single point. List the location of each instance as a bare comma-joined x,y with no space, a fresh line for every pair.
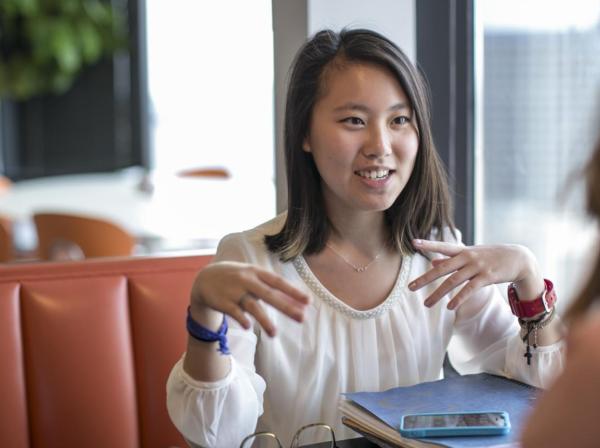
5,184
215,173
65,236
6,240
86,349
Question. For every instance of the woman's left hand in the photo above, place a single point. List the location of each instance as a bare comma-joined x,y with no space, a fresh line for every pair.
477,267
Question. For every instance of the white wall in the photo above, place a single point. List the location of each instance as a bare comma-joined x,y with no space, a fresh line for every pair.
394,19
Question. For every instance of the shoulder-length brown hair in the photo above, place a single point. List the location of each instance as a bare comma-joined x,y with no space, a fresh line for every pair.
591,290
423,205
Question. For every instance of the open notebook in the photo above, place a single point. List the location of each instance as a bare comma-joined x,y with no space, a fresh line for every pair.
377,415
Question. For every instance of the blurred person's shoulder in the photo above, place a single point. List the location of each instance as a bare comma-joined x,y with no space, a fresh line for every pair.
584,337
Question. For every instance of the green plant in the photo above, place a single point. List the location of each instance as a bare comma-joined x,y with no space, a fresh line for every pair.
44,44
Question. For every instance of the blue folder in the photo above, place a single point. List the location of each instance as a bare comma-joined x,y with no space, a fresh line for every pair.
479,392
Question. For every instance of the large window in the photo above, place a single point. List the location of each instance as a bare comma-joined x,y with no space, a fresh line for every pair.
210,80
538,115
210,76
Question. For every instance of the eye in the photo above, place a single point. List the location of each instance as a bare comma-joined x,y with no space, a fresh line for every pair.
353,121
401,120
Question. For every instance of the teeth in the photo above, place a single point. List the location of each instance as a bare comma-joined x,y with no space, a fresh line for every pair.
374,174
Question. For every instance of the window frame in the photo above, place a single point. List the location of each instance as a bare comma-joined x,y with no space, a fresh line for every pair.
445,55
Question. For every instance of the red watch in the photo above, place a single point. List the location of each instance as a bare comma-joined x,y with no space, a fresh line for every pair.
525,310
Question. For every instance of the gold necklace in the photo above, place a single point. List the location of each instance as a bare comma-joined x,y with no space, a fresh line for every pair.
358,269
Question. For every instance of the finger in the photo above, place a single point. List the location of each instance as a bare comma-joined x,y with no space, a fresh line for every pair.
278,282
278,299
233,310
466,292
444,267
452,282
441,247
437,261
253,307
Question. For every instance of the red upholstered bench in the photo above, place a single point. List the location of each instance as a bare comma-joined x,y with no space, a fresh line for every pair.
86,348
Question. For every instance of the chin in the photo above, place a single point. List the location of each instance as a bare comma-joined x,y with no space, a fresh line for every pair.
383,203
380,206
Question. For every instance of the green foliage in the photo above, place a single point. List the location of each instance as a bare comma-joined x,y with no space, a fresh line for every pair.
44,44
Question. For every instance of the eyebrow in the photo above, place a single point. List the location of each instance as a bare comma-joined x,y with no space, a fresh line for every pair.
363,108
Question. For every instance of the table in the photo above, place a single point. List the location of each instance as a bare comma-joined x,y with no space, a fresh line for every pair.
179,213
350,443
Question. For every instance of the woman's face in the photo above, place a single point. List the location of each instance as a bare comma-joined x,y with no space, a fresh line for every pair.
362,138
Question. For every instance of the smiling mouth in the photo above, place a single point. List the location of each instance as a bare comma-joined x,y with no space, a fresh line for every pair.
374,174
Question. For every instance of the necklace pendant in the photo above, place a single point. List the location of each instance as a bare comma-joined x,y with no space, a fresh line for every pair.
358,269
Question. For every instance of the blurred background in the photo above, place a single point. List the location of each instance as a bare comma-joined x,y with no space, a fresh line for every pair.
161,121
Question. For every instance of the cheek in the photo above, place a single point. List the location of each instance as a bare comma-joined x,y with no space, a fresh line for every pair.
412,153
326,164
333,149
407,149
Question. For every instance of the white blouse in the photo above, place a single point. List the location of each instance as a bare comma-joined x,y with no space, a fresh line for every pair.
280,384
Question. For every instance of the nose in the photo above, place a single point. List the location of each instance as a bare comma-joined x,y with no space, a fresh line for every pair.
378,144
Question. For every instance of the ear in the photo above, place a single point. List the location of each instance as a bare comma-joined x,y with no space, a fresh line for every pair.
305,145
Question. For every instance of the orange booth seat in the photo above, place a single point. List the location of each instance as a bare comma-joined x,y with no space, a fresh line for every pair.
86,348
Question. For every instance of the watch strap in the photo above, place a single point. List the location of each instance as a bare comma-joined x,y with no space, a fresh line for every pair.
527,309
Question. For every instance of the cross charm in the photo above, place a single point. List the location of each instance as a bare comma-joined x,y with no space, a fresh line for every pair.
528,354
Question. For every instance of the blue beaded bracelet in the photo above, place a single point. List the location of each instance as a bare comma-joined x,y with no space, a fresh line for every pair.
203,334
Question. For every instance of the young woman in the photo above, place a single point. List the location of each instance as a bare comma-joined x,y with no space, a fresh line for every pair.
368,210
568,414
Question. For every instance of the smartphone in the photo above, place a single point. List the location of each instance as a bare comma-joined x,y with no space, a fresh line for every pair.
448,424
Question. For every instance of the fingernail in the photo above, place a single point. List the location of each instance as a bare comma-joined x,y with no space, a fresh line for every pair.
412,285
451,306
428,303
417,242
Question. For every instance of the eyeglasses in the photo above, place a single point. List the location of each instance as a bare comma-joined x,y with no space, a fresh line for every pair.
313,433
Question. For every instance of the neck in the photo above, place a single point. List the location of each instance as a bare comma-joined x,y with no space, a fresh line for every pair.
366,231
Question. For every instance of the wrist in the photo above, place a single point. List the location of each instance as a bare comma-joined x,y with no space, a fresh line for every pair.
530,288
205,316
203,334
530,309
530,283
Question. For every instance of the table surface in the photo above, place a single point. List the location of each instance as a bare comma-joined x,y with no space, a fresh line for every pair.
187,212
360,442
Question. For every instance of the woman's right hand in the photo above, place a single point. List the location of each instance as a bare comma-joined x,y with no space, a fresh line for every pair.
235,289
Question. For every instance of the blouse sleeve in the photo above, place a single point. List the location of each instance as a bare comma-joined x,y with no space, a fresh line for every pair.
488,335
220,413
